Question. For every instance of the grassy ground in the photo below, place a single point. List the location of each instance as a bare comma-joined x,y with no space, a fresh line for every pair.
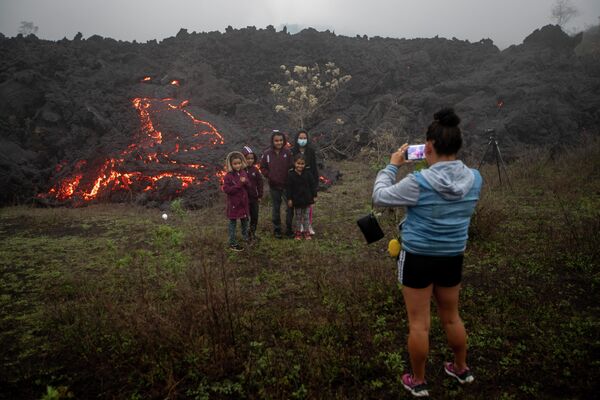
111,301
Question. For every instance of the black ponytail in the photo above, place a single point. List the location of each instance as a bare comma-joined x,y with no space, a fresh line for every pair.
444,132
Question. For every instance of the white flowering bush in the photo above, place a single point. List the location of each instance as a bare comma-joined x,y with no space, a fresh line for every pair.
305,90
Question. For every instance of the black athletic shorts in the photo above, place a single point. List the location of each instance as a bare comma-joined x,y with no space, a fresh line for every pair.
418,272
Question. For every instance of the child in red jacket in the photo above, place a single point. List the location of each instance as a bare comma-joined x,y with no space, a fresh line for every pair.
255,189
235,185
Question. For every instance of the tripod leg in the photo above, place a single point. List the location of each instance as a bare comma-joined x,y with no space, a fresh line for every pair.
497,156
489,146
503,166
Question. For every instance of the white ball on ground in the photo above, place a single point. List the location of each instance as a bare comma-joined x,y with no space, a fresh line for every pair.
165,216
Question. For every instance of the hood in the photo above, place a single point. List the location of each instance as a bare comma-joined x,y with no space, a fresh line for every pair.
247,150
228,160
451,179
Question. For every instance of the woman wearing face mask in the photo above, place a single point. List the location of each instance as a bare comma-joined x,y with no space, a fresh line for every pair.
302,146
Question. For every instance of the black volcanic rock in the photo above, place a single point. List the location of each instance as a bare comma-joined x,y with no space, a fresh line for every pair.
553,37
66,101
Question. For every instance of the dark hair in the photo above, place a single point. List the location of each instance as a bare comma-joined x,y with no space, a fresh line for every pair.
297,136
299,132
444,132
278,133
299,156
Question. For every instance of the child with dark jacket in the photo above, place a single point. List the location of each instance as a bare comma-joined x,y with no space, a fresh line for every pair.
275,163
302,145
301,192
235,185
255,189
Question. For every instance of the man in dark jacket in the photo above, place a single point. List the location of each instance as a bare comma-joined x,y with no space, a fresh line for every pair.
275,163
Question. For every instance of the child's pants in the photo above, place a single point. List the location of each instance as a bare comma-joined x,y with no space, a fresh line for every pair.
253,216
301,219
232,226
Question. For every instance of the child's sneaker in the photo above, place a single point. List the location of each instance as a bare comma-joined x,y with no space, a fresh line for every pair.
235,247
416,389
307,236
464,376
298,236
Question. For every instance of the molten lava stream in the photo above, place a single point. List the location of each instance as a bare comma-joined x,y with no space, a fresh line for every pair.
125,173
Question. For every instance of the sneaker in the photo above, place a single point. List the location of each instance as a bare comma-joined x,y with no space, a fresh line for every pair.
278,235
464,376
416,389
236,247
307,236
311,231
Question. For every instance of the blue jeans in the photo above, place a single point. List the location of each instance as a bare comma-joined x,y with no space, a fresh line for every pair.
232,229
278,196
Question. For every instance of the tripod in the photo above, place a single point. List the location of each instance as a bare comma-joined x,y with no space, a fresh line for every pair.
493,145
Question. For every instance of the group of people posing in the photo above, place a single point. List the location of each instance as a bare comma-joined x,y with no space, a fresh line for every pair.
293,178
439,202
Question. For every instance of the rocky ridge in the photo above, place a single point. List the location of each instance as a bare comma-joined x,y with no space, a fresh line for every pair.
71,100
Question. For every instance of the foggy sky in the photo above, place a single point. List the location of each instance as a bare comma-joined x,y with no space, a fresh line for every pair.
506,22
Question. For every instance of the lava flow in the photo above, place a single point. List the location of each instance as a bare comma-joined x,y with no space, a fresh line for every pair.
164,163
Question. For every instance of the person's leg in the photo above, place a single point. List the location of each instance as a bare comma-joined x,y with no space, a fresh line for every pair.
244,223
447,304
310,220
276,196
231,228
306,222
298,222
418,307
306,219
296,219
289,216
253,217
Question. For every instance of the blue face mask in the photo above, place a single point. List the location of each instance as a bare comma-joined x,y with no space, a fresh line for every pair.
302,142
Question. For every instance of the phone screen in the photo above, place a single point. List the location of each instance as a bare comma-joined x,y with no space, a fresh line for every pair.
415,152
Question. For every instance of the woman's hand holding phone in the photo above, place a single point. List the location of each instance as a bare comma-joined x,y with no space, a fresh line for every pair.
398,157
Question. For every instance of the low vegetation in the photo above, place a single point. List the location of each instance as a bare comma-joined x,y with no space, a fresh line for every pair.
110,301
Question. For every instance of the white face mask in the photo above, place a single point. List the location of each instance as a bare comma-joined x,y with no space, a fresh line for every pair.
302,142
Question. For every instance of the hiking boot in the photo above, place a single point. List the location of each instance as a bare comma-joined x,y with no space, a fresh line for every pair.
416,389
464,376
235,247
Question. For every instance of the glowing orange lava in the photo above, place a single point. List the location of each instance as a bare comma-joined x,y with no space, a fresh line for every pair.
89,181
325,180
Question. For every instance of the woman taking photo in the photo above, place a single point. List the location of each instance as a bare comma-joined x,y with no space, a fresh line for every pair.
439,203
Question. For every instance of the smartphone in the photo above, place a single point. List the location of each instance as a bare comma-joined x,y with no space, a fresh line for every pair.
415,152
